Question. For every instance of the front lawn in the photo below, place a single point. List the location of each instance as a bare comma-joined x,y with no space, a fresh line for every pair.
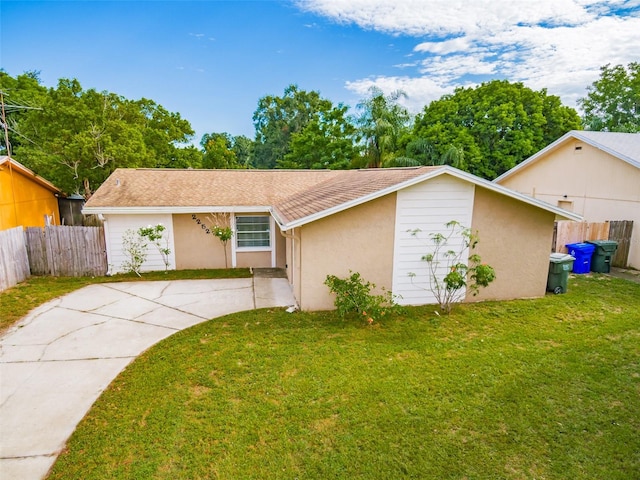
530,389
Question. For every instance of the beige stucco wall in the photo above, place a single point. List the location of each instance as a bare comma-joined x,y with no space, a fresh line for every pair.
194,248
597,185
515,239
359,239
253,259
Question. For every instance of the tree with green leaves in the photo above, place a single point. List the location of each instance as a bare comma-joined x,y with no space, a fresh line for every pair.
612,103
382,123
218,151
19,96
77,138
243,148
327,141
493,126
278,119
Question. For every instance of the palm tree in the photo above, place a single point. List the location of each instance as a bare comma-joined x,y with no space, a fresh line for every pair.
382,122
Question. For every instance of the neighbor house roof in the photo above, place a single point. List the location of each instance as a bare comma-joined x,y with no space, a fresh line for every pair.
7,162
625,146
294,197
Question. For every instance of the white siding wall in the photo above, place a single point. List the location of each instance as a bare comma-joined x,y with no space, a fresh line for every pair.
427,206
115,228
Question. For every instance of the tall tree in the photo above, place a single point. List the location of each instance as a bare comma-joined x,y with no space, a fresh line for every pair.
382,123
218,151
327,141
243,148
612,103
277,119
495,125
78,137
20,95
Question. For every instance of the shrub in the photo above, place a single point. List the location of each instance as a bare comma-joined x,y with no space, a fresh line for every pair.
460,277
154,235
353,295
135,249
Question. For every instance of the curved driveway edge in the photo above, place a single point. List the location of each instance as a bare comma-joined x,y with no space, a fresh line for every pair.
57,361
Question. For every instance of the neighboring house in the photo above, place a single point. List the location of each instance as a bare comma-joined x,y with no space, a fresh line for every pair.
316,223
594,174
26,199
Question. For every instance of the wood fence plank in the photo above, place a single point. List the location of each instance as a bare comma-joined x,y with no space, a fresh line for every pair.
620,231
14,261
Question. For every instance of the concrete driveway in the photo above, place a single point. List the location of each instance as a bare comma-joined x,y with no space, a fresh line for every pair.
57,361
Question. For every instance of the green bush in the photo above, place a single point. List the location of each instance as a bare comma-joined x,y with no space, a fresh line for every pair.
353,295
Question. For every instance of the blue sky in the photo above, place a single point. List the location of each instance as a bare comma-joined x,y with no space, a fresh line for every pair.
212,61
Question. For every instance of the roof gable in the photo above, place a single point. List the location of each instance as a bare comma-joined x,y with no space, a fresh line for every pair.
337,196
624,146
24,171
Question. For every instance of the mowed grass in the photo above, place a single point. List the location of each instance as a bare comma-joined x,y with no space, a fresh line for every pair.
16,302
530,389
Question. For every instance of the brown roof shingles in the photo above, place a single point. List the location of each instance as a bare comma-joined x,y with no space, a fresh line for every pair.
348,187
294,194
194,188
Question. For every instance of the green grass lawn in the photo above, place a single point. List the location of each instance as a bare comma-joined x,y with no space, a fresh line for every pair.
530,389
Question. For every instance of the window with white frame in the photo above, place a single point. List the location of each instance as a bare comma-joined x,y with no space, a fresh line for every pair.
253,231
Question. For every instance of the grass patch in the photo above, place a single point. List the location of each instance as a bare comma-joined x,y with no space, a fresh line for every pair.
16,302
544,388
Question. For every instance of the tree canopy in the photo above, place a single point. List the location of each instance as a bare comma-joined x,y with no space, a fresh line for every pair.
290,127
76,138
497,125
612,103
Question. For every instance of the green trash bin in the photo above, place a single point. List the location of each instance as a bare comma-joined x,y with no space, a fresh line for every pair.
560,264
601,260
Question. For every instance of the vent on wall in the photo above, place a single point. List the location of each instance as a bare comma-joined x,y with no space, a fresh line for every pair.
578,149
566,205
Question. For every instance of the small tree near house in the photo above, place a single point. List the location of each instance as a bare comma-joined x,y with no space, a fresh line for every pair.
135,245
449,276
135,249
155,235
221,228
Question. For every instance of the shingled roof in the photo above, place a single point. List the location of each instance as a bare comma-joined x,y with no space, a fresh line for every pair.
294,197
349,186
126,188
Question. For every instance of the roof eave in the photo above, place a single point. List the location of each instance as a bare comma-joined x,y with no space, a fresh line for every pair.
89,210
577,134
43,182
559,212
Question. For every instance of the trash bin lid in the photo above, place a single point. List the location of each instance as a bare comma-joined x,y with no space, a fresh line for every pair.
581,247
606,245
560,258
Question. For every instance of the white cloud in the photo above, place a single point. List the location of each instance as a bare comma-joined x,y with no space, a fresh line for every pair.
555,44
420,91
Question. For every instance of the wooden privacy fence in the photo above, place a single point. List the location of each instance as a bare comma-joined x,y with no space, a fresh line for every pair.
575,232
620,231
67,251
14,263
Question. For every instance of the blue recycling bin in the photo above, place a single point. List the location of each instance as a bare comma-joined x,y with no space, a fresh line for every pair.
582,252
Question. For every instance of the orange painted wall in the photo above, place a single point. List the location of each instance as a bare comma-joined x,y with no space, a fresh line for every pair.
24,202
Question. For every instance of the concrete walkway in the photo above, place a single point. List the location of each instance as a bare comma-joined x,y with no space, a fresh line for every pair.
57,361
